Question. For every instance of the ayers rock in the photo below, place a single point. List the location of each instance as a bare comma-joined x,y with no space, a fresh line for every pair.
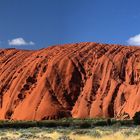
83,80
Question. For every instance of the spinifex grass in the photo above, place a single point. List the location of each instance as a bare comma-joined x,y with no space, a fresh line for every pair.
97,133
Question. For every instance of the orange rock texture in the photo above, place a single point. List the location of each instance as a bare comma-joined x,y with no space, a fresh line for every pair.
83,80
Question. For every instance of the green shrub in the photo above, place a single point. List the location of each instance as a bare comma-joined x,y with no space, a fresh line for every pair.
108,121
85,125
136,118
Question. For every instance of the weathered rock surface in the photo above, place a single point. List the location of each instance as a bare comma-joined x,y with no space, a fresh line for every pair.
79,80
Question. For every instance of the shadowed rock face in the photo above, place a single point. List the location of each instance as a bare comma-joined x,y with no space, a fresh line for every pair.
75,80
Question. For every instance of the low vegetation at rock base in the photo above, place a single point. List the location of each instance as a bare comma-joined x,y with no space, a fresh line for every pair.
76,123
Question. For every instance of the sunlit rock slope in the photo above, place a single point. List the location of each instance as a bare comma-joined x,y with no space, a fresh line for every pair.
74,80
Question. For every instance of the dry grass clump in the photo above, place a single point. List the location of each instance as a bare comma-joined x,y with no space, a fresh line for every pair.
97,133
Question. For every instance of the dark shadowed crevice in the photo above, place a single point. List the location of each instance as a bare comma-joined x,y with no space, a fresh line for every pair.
111,105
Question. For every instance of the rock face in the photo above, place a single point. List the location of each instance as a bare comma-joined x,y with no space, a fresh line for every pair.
74,80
